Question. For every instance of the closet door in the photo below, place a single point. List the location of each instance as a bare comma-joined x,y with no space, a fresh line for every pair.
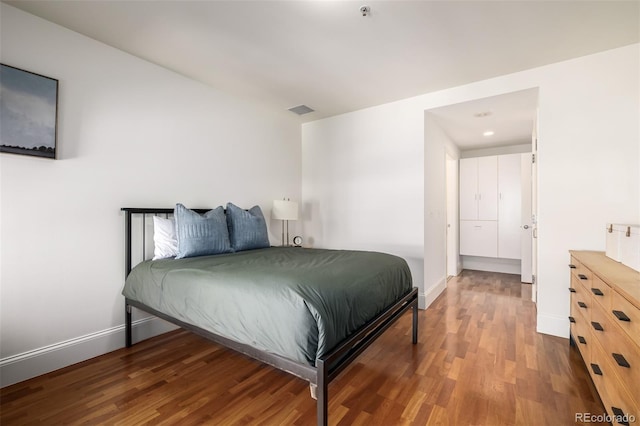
479,206
488,188
509,206
468,189
479,238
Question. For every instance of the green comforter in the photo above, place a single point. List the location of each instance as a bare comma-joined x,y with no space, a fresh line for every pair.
295,302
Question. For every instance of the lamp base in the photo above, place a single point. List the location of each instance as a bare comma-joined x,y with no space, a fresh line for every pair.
285,225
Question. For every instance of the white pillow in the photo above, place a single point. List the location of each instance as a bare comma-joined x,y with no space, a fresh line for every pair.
164,238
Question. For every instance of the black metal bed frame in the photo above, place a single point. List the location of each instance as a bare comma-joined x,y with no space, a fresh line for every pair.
327,367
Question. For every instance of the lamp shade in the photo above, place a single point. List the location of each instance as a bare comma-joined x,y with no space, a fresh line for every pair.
284,210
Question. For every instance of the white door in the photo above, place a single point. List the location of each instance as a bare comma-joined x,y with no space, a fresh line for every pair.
488,188
479,188
534,209
479,206
509,206
525,228
452,216
468,189
479,238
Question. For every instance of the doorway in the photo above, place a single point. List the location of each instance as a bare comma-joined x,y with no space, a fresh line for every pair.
494,126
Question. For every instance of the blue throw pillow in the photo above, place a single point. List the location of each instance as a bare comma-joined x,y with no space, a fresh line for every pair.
247,228
201,235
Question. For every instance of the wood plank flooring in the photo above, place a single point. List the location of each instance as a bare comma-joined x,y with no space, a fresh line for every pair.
479,361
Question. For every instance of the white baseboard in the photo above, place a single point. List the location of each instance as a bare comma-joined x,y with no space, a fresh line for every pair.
426,299
553,325
20,367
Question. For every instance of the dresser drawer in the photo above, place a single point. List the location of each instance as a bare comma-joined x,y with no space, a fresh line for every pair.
621,311
580,299
582,273
621,352
581,336
613,396
600,292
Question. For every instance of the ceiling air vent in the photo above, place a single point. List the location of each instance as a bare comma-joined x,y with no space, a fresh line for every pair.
301,109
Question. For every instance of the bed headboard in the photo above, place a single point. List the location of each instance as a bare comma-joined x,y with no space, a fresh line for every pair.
138,233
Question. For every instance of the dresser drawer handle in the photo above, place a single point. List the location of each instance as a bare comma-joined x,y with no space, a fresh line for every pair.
597,326
582,277
572,319
621,361
596,369
582,304
621,316
597,292
572,266
582,340
572,290
620,416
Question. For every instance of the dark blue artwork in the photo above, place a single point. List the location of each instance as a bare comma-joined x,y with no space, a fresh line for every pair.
28,112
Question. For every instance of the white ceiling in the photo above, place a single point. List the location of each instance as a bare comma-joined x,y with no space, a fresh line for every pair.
326,55
510,116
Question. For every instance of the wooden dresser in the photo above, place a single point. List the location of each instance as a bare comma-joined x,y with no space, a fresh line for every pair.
605,326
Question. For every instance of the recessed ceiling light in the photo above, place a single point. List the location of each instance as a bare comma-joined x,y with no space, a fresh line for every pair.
488,133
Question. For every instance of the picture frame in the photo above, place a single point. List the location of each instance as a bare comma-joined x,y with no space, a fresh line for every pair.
28,113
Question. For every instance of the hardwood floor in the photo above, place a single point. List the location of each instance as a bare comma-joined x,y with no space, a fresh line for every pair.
479,361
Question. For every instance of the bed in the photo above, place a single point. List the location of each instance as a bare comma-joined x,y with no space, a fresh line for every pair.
309,312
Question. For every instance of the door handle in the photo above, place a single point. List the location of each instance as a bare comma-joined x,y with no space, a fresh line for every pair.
526,226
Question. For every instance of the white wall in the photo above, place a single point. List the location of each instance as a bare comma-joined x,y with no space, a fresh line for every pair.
363,183
454,263
589,153
588,166
129,134
435,207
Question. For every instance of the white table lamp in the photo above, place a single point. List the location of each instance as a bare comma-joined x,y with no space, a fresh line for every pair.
285,210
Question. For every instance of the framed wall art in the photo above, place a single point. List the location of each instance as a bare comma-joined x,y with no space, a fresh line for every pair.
28,112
